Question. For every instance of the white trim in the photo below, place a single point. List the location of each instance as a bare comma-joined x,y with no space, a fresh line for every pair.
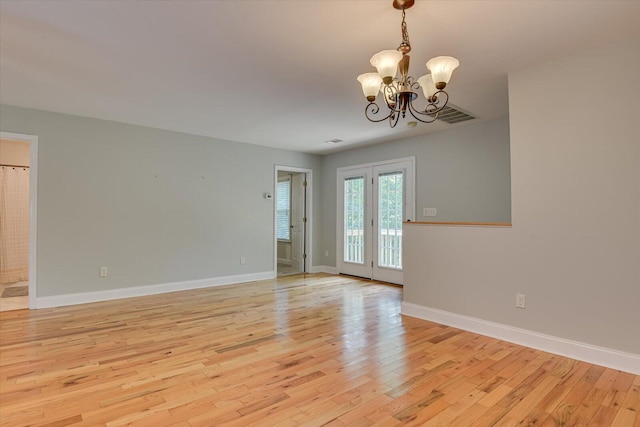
308,238
380,163
323,269
138,291
33,208
603,356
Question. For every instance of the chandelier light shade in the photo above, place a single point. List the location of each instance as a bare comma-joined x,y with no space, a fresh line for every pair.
399,92
428,86
441,68
370,84
386,62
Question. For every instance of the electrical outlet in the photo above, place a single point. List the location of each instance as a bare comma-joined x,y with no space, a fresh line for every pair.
242,260
103,271
520,303
429,212
326,253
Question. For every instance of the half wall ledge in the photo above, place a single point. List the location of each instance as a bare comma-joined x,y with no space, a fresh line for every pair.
471,224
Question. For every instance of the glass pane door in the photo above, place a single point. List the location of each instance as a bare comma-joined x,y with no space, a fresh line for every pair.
373,202
354,222
354,219
390,217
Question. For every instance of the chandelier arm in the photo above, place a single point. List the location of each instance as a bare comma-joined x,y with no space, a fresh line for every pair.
388,92
415,114
432,109
372,108
435,100
433,104
393,119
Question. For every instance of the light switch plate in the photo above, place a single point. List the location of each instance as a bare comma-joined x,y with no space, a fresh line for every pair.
520,301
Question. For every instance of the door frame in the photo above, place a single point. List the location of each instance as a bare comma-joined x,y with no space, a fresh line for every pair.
410,198
309,212
33,208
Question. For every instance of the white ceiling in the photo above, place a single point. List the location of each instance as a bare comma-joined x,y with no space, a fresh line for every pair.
278,73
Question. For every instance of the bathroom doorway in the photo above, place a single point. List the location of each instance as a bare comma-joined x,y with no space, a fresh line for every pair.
292,214
17,224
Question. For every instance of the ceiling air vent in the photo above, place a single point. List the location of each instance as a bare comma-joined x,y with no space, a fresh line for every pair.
453,114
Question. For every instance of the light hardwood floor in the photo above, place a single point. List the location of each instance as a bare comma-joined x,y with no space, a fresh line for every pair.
301,350
13,303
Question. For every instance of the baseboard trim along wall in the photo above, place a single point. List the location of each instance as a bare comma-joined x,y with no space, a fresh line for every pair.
138,291
607,357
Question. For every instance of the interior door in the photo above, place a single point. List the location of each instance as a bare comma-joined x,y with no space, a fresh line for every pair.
298,221
373,202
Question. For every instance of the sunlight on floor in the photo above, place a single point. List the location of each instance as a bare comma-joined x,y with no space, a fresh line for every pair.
8,303
286,270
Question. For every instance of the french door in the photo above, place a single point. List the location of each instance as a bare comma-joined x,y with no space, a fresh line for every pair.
373,202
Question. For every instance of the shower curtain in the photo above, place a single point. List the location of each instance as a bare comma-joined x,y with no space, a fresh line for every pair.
14,224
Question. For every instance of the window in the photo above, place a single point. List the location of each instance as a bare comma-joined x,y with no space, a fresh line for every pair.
283,210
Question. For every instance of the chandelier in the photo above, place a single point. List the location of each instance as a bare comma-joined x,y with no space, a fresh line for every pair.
400,92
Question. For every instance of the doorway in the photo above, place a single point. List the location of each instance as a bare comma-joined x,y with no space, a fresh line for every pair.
292,220
18,178
373,202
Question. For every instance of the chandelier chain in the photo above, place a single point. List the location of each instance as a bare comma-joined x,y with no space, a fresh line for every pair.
405,32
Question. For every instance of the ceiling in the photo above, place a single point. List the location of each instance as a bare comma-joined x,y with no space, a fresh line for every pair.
273,72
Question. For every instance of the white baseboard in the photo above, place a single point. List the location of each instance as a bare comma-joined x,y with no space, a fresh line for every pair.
323,269
603,356
138,291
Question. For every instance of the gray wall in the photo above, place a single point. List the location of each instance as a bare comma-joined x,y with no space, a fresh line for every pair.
156,206
574,247
462,172
151,205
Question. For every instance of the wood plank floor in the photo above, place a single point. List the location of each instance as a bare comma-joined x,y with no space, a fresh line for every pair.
302,350
13,302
